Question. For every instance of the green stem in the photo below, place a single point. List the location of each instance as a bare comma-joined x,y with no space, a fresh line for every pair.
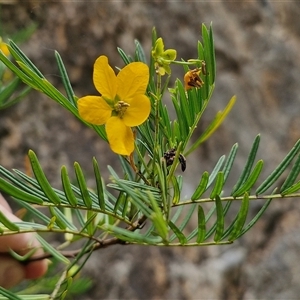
231,198
194,126
156,128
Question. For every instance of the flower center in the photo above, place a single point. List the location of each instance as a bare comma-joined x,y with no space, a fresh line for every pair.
120,108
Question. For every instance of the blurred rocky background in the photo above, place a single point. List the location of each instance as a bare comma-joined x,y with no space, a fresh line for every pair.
258,59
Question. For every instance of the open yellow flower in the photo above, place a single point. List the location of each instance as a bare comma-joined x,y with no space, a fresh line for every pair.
122,104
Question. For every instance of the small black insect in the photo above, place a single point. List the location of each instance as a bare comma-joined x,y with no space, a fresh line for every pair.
169,156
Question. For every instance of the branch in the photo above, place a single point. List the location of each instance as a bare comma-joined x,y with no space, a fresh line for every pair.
100,244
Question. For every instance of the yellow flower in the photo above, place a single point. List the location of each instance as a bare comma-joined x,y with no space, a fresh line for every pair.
162,58
3,47
122,104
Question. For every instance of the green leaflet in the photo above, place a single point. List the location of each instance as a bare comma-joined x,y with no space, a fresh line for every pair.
7,295
61,220
50,249
179,234
256,217
41,178
201,188
68,187
291,177
65,79
99,184
139,52
220,219
248,184
184,222
82,186
240,219
131,237
292,189
229,162
7,223
18,193
215,124
217,189
271,179
248,166
201,232
124,57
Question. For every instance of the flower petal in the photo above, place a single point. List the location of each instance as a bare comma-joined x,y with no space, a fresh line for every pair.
169,54
132,80
158,48
120,136
138,111
94,109
104,78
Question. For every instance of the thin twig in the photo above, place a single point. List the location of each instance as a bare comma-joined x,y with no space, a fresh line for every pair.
100,244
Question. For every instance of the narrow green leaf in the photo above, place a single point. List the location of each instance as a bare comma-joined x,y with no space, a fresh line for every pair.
240,219
61,219
131,237
13,296
158,219
177,214
18,55
80,218
248,166
50,249
15,99
82,186
229,162
206,47
41,178
67,187
22,258
212,55
255,219
201,188
139,52
126,207
18,193
215,124
220,219
162,181
99,184
292,189
201,225
120,202
136,198
216,170
185,221
181,237
7,295
91,227
176,189
27,184
8,90
248,184
200,50
279,170
35,212
7,223
292,176
16,70
127,60
65,78
217,189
